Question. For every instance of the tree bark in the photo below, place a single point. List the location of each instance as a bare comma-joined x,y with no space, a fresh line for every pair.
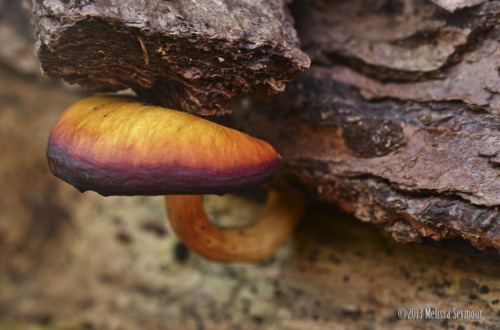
189,55
388,162
398,120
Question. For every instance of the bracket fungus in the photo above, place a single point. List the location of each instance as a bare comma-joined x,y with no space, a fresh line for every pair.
118,146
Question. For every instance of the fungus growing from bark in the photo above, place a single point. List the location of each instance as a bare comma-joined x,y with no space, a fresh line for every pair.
119,146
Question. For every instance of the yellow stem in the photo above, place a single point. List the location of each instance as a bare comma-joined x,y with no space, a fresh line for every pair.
254,242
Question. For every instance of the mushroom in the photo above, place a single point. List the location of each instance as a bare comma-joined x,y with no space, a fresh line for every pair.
119,146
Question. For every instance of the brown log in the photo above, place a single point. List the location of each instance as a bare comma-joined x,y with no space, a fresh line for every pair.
189,55
398,120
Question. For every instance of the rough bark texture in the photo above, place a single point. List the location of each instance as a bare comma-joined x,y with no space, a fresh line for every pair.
189,55
388,162
398,120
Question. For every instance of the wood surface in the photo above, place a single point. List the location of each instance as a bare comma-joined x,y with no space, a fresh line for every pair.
398,119
188,55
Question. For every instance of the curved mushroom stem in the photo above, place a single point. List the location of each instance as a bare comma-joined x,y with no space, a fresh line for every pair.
255,242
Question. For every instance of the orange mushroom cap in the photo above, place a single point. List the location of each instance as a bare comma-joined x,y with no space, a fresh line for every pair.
119,146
